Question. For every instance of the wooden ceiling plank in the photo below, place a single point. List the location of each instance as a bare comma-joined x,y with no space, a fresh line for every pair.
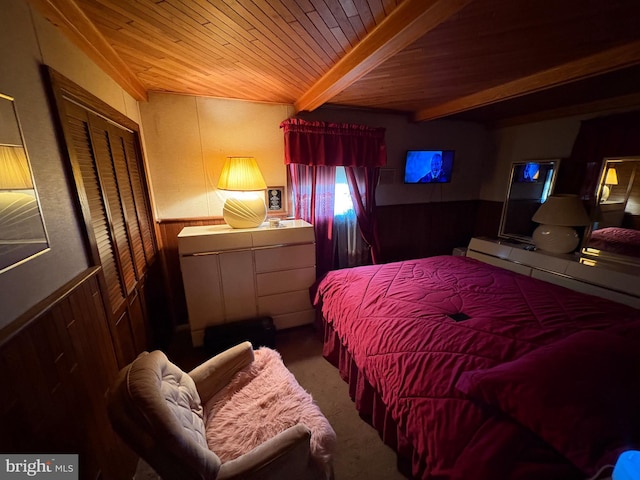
389,5
358,26
280,32
305,29
326,33
189,31
152,28
364,12
224,19
338,12
377,10
67,15
591,65
186,64
409,21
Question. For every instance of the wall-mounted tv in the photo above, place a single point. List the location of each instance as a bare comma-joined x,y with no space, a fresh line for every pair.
529,173
428,166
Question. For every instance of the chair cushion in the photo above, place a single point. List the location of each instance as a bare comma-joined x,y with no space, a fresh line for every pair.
261,401
163,391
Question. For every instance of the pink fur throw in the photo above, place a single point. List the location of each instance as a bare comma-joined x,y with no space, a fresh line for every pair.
262,400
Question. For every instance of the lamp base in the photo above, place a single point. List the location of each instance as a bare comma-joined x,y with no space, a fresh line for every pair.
555,239
244,212
606,191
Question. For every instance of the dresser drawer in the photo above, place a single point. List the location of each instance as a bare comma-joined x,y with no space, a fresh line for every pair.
284,235
285,281
295,319
273,305
285,258
190,244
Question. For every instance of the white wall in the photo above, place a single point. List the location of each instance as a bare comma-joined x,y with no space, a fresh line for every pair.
188,138
469,140
552,139
27,40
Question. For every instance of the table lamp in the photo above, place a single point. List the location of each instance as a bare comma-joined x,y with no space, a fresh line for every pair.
14,169
611,178
245,207
557,216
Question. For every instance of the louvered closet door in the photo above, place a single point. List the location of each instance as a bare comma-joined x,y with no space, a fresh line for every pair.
140,194
104,159
136,220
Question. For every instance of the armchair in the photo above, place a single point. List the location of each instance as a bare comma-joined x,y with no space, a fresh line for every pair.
159,411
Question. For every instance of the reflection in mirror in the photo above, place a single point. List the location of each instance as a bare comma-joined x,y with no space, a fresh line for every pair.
615,229
22,232
530,183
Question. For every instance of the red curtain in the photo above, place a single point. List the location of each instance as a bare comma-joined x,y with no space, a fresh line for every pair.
312,151
333,144
362,186
314,194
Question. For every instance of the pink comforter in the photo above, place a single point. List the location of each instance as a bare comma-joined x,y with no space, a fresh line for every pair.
396,322
622,241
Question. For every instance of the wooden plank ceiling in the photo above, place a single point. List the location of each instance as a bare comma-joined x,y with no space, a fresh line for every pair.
485,60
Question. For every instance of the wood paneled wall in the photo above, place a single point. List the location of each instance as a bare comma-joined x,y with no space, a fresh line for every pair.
58,362
427,229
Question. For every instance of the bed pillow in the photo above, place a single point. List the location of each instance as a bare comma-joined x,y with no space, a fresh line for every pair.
580,394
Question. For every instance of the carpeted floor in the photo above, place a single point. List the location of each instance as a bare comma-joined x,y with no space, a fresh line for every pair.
360,452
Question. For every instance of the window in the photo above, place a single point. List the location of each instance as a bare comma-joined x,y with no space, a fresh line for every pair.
342,203
350,249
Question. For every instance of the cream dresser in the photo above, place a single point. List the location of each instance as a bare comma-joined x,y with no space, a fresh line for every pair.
610,280
237,274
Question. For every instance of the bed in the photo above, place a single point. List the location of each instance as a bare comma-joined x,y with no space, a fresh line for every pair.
471,371
623,241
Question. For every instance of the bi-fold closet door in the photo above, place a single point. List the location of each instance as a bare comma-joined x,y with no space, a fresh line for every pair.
109,176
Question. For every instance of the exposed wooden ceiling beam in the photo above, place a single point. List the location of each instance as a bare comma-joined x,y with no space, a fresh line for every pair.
409,21
613,104
68,16
609,60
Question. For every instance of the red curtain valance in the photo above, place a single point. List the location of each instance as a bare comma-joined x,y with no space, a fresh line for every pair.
333,144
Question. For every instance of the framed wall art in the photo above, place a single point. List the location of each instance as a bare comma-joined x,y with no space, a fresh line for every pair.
276,199
22,230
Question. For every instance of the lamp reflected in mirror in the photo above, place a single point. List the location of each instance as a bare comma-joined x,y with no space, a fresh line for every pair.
22,231
614,231
611,178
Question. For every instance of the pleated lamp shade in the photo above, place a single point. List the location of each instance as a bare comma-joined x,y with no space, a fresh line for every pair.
242,174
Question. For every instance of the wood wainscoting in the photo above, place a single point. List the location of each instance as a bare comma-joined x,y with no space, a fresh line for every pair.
426,229
59,361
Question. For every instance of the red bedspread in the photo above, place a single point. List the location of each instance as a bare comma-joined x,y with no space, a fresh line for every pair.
395,321
622,241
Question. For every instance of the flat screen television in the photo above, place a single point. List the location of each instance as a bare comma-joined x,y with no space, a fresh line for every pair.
428,166
529,173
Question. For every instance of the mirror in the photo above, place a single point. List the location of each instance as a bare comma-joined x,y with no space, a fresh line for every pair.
530,183
614,232
22,231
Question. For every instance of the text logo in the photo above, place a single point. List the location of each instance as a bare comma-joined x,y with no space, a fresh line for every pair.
50,467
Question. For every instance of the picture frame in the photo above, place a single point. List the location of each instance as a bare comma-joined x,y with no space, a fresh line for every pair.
276,200
22,230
